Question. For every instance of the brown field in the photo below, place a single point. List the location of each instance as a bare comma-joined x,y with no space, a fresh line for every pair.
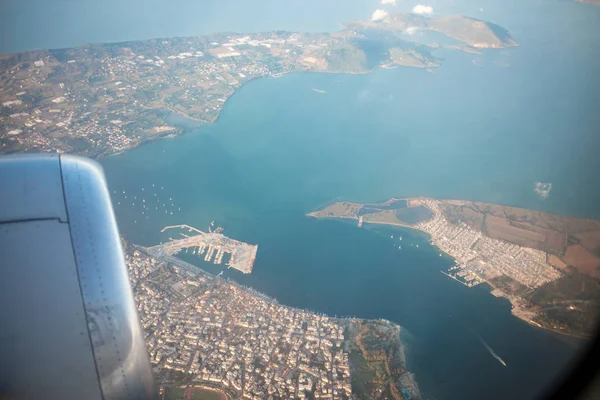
525,234
463,212
557,263
589,240
584,260
543,231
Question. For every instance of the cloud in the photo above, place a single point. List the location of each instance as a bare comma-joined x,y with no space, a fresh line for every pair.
392,2
422,9
379,14
411,30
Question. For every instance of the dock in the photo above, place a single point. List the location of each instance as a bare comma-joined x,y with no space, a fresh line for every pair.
455,278
213,246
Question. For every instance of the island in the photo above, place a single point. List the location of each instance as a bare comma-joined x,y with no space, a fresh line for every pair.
209,334
543,189
102,99
547,266
471,31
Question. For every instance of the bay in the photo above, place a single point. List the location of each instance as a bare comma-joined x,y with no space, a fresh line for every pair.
486,133
481,127
281,149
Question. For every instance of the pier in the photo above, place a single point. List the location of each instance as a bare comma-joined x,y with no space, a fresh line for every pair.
212,245
455,278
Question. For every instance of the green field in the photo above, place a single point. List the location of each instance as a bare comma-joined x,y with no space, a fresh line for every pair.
174,393
203,394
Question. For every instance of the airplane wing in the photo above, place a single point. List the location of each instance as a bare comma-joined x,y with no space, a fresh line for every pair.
69,327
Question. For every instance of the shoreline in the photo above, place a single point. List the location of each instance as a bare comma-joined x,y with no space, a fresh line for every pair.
516,310
345,321
183,129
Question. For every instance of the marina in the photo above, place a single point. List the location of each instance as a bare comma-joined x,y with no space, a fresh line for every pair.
213,245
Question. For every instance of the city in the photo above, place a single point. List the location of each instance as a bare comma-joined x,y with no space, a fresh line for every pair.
203,330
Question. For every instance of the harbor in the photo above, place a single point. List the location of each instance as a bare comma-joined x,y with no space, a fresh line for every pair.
214,246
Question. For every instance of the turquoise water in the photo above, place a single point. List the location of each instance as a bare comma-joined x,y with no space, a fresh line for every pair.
481,127
487,133
280,149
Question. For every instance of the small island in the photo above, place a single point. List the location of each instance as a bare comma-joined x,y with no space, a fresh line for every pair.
471,31
543,189
547,266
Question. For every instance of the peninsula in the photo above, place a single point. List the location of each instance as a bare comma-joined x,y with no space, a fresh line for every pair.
102,99
547,266
206,333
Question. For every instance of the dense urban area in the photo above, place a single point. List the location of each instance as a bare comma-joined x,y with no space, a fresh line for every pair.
481,258
203,330
101,99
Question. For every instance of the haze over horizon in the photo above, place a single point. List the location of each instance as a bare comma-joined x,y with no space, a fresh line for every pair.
252,131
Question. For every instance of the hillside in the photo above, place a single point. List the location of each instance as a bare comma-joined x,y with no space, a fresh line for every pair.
471,31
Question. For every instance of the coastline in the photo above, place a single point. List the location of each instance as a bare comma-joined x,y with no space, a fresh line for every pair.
407,379
516,309
183,129
346,55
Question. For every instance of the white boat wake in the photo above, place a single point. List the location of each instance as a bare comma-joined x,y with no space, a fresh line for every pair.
492,352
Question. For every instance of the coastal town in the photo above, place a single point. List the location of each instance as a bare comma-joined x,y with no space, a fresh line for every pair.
536,260
203,330
480,258
102,99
